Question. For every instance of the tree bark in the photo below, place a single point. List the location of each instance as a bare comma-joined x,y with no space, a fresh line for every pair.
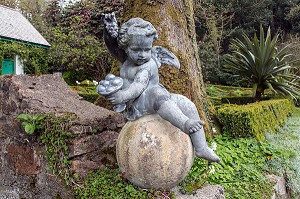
174,21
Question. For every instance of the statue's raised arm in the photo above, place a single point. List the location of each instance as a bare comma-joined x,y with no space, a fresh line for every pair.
111,32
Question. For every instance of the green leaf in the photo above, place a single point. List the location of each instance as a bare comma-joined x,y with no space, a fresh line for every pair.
39,117
29,128
24,117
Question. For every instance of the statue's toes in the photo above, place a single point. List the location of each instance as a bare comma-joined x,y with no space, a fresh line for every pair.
192,126
208,154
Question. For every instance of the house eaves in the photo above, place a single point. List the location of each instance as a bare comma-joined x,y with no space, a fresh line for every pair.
15,27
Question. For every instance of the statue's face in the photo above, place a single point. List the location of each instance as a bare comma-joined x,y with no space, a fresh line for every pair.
139,49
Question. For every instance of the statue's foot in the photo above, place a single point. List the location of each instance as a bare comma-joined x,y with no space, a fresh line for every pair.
207,154
192,126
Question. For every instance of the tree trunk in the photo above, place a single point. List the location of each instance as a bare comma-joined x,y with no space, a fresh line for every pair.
174,21
258,95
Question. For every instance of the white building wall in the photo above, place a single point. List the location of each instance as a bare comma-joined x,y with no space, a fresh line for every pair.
19,69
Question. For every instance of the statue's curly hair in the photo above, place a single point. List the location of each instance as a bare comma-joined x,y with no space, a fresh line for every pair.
133,27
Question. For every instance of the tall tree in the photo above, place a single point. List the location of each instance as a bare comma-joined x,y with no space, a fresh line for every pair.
174,21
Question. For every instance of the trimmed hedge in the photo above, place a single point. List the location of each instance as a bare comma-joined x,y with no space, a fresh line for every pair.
240,100
254,120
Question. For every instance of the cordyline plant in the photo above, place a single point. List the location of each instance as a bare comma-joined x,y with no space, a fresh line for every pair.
264,65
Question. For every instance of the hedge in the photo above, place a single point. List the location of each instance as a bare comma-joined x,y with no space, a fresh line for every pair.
241,100
255,119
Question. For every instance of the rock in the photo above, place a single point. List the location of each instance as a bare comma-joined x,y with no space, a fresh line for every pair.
92,143
23,159
207,192
153,153
8,194
22,164
279,187
83,167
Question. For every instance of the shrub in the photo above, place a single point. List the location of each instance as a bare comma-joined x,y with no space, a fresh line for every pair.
260,62
253,120
240,100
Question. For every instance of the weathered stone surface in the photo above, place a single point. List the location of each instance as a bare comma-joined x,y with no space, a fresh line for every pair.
83,167
279,187
153,153
23,159
49,93
93,142
207,192
22,167
8,194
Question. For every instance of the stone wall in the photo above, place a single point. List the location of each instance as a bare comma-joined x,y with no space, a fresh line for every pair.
23,172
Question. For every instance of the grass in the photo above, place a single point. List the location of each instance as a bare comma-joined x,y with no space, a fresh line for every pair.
217,92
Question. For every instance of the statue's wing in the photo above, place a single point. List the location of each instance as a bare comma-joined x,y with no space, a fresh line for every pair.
164,56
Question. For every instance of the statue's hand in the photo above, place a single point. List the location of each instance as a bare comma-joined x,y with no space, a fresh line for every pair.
116,98
111,24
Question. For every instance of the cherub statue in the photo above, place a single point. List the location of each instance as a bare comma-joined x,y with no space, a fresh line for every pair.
139,91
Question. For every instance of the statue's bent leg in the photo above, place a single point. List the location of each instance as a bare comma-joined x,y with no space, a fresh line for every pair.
189,109
183,114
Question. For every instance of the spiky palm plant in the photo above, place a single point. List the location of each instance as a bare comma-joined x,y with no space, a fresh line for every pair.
260,62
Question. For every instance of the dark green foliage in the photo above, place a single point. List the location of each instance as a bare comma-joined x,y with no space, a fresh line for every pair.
75,33
110,183
89,97
241,172
254,120
87,92
294,17
35,59
71,76
74,49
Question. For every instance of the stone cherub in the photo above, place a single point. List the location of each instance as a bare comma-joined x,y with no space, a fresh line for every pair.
141,93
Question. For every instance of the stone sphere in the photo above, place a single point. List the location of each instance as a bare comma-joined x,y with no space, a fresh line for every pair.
153,153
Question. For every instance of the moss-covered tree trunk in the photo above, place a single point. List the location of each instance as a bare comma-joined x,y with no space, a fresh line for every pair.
174,21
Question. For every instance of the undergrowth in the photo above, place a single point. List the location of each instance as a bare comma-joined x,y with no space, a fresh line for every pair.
110,183
242,171
287,139
52,131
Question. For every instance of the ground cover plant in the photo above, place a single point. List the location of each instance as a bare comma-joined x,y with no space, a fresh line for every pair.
287,139
110,183
242,172
52,132
246,161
